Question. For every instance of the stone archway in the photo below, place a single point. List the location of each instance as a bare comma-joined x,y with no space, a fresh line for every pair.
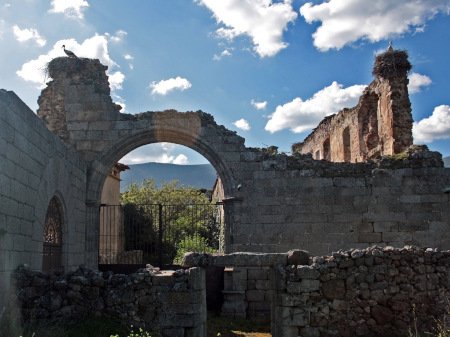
77,106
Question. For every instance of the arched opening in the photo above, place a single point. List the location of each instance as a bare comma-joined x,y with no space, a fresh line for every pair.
326,150
52,237
346,142
159,201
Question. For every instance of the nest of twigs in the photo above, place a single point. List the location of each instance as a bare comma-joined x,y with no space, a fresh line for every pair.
391,63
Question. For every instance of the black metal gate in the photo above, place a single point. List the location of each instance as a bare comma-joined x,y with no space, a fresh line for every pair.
157,234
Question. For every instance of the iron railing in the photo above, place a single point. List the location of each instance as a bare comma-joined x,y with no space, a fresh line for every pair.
157,234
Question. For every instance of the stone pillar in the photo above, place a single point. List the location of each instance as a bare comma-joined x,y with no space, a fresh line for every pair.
394,107
92,234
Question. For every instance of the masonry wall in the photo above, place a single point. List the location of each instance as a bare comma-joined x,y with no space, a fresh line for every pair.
35,165
169,303
371,292
297,202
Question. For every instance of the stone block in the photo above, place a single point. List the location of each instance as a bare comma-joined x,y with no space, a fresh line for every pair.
405,237
307,272
365,227
173,332
303,286
196,280
244,259
262,284
293,317
298,257
369,237
255,295
258,274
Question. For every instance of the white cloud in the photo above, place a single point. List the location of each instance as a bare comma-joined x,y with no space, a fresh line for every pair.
115,80
129,58
158,153
163,87
23,35
181,159
119,36
300,116
70,8
94,47
263,21
259,105
224,53
242,124
344,22
417,82
437,126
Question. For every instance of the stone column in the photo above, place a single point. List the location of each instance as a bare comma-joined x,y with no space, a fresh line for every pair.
92,234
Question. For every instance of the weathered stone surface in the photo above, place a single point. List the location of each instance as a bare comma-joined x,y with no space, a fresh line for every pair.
171,302
381,123
372,296
333,289
298,257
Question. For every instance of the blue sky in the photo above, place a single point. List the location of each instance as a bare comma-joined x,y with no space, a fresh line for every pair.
270,70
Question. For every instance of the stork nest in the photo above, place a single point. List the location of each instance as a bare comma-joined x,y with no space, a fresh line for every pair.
69,65
391,63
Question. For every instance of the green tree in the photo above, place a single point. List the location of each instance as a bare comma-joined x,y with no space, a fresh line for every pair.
186,215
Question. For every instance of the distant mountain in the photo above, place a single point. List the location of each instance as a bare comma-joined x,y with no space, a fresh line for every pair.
198,176
446,161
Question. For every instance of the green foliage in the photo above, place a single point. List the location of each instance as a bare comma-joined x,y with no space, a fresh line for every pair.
186,215
192,243
170,193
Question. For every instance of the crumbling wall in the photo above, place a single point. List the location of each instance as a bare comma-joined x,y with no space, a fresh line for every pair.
171,303
376,291
371,292
35,165
79,91
381,123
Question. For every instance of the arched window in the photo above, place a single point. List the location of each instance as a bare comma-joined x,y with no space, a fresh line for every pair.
326,149
347,144
52,248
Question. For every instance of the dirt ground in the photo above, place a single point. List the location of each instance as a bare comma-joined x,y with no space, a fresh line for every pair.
228,327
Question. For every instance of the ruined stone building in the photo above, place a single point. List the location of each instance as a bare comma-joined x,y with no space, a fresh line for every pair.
53,168
381,123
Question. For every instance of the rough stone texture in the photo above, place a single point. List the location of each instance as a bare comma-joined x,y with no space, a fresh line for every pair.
381,123
35,165
370,292
79,91
167,302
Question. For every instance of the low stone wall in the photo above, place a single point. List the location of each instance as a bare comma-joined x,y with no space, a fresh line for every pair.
371,292
170,302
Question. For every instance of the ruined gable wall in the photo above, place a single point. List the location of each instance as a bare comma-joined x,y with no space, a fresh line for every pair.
380,124
34,166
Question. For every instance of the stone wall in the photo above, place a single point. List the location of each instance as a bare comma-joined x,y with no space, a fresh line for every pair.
381,123
371,292
171,303
35,165
289,202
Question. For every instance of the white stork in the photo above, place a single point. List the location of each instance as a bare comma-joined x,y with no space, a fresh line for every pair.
69,53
